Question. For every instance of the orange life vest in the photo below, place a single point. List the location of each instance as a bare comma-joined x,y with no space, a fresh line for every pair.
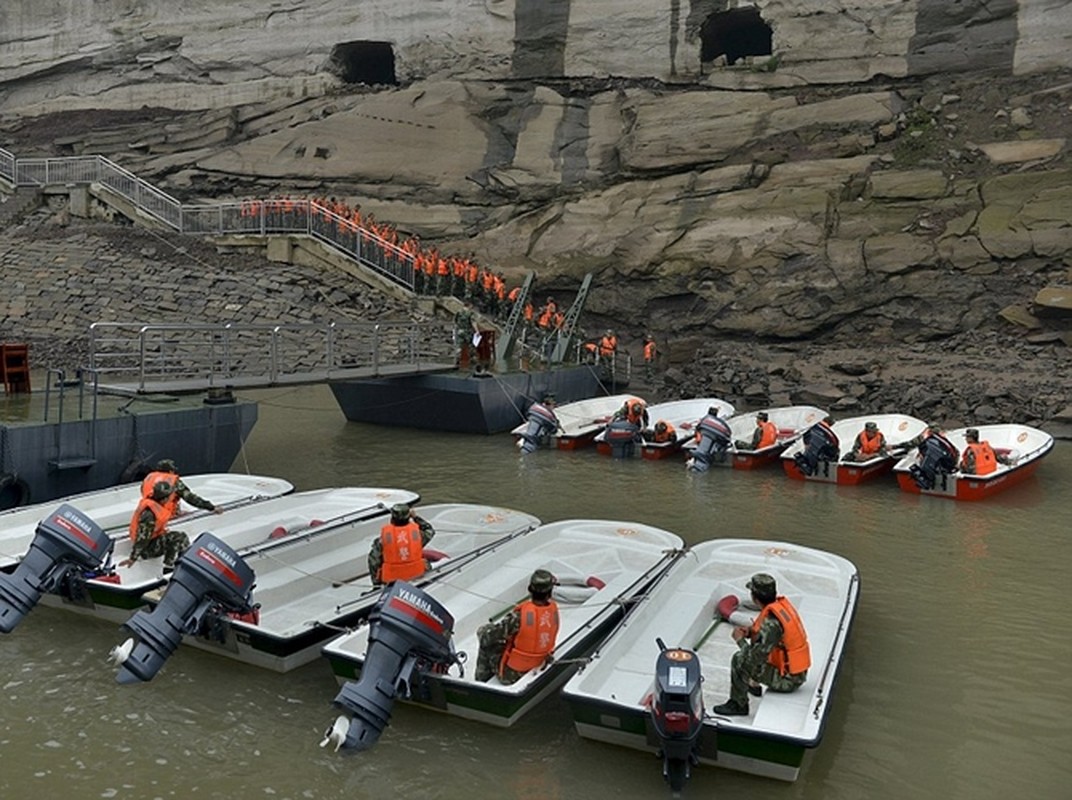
534,640
403,552
161,511
792,656
668,435
631,415
649,351
170,478
769,435
869,445
985,460
607,345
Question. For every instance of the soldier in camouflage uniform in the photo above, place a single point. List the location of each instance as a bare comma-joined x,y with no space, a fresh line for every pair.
169,544
751,666
494,636
182,491
401,514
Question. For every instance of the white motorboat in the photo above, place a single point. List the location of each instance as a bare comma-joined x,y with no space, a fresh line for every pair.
682,415
602,566
1019,448
611,698
897,428
791,422
580,421
113,508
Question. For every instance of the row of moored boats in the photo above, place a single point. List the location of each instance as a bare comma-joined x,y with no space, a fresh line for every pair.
281,579
706,432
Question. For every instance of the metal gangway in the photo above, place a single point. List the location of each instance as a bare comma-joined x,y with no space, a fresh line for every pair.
132,358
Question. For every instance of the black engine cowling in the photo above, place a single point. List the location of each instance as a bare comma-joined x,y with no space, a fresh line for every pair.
622,436
210,580
820,444
410,633
938,456
677,712
540,424
66,541
715,439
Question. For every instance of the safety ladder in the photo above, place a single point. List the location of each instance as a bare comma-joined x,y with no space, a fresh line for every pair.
569,324
505,347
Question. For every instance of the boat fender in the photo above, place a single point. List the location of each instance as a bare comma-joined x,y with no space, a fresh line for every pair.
65,543
594,582
278,532
210,579
14,491
434,555
313,523
253,616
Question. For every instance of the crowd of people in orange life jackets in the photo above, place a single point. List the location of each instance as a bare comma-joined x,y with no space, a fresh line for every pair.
436,273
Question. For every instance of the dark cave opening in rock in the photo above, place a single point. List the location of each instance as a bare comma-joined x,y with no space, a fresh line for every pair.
365,62
735,34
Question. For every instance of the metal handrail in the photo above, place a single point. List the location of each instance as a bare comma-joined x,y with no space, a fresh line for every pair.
168,351
258,216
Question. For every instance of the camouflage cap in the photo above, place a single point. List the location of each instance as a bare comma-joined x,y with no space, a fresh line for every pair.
762,584
400,512
541,581
871,426
166,465
762,415
972,433
161,490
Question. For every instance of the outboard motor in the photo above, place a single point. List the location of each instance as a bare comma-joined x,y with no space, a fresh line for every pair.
715,439
541,423
66,542
210,580
938,455
410,633
677,712
820,444
622,436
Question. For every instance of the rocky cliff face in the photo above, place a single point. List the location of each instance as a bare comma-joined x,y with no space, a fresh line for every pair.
199,53
895,170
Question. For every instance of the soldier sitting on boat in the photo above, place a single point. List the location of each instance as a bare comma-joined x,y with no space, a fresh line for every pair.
763,435
980,458
774,651
398,552
523,639
869,443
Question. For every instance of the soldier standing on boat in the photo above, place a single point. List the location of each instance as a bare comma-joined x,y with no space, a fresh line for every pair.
774,651
523,639
398,552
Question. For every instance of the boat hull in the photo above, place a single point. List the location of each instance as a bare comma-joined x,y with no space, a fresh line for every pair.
841,474
610,698
763,756
462,402
1008,440
970,487
485,704
628,556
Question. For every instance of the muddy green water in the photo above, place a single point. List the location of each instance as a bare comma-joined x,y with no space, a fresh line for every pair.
955,685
